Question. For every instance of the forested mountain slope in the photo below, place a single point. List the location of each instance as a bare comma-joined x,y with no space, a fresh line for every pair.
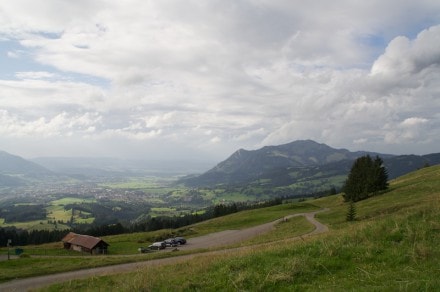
304,161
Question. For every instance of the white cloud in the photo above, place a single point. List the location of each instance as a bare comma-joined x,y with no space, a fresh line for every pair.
14,55
411,129
222,75
34,75
215,140
413,122
39,94
403,56
360,141
128,133
63,124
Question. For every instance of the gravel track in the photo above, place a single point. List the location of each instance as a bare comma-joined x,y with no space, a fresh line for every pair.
207,241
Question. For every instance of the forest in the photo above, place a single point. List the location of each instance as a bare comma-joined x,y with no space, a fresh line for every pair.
23,213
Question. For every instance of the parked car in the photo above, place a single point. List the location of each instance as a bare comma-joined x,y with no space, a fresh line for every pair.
180,240
170,242
144,249
157,245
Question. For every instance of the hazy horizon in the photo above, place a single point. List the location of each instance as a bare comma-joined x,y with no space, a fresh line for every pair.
183,159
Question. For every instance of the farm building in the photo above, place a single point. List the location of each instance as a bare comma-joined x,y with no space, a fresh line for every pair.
85,243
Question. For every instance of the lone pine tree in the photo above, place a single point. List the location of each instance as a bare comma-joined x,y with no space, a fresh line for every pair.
351,212
366,178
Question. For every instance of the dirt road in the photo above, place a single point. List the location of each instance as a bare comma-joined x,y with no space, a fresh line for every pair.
208,241
228,237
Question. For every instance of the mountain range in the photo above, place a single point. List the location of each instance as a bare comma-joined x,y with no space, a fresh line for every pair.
306,164
304,161
107,166
17,171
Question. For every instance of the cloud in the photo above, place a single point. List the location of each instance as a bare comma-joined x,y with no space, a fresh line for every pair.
63,124
41,93
413,122
403,56
410,130
354,107
221,75
34,75
14,55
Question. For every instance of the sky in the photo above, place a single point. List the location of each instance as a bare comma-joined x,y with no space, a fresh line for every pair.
174,79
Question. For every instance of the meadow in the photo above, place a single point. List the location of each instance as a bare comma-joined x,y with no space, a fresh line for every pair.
57,215
392,246
151,185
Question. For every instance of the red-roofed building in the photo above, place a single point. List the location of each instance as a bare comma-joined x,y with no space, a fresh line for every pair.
85,243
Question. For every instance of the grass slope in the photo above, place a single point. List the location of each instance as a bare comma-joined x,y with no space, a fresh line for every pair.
393,246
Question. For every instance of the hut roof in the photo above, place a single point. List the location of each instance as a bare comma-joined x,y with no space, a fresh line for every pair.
68,237
86,241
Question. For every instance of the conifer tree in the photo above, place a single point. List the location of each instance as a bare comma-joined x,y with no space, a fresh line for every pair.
351,212
366,178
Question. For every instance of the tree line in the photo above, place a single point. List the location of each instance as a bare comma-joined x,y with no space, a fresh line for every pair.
34,237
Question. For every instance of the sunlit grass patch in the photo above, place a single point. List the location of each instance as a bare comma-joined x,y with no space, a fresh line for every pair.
251,218
71,200
283,230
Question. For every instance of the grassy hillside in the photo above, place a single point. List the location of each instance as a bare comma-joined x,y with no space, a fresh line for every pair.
393,246
123,248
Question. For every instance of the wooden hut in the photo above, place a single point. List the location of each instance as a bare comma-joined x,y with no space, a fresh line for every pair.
85,243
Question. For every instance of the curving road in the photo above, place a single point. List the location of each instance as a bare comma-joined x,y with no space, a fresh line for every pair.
208,241
229,237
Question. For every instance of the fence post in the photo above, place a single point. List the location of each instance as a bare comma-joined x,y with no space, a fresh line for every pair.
9,246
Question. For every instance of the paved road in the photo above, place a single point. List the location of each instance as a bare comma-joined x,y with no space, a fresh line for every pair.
212,240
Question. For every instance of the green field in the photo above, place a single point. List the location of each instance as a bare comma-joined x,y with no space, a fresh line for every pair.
55,213
70,200
162,211
392,246
58,212
36,225
150,185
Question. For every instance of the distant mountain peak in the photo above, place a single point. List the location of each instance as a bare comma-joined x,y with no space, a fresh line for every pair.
15,170
244,166
13,164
